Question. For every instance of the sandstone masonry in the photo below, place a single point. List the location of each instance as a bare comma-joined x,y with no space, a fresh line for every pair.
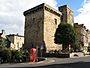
41,23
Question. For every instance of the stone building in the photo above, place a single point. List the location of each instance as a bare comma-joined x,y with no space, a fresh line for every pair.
67,14
82,36
17,41
88,34
41,23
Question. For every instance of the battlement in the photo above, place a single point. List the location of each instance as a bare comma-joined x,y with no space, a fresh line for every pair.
42,6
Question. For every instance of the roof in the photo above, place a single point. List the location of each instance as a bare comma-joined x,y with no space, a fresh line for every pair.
42,6
64,6
15,35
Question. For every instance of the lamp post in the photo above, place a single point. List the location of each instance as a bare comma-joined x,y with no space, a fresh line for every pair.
41,48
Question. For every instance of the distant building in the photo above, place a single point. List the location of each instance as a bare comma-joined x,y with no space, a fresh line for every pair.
82,36
4,41
41,23
17,41
67,14
88,32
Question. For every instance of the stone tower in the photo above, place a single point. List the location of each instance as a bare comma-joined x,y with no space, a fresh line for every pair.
67,14
40,26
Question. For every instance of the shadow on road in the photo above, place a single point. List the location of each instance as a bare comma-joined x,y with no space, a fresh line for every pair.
68,65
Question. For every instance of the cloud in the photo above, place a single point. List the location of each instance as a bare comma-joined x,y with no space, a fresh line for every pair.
11,13
84,14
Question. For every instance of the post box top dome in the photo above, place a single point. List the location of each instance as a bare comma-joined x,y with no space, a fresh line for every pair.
33,49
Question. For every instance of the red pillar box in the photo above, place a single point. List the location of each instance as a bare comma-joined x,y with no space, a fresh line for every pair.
33,54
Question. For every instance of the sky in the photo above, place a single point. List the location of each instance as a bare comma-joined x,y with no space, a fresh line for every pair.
12,19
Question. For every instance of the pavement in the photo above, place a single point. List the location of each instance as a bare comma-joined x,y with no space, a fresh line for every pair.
78,62
27,64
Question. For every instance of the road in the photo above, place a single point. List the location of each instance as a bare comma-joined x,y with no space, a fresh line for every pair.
83,62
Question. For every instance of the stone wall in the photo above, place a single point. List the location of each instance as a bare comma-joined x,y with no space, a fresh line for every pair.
51,22
41,23
76,55
40,26
34,28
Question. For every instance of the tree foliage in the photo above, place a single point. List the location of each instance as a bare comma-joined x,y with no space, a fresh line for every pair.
3,42
66,35
12,56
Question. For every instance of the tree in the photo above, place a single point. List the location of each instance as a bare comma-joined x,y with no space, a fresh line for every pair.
19,55
66,35
3,42
5,55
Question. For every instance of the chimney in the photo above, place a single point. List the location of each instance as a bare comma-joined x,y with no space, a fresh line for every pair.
3,31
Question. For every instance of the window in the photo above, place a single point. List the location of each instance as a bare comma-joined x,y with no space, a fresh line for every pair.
55,21
33,20
17,45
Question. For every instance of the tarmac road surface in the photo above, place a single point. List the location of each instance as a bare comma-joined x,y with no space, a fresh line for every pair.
83,62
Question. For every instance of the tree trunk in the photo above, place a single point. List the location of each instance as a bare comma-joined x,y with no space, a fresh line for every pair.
65,47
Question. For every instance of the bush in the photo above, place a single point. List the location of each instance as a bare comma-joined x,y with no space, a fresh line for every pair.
59,55
7,55
19,56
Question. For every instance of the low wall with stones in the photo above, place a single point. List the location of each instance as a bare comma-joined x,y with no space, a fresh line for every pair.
76,54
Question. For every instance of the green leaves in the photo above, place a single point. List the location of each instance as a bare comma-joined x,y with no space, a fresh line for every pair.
8,55
65,34
3,42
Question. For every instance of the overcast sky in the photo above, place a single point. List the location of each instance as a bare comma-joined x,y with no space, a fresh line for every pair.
12,19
